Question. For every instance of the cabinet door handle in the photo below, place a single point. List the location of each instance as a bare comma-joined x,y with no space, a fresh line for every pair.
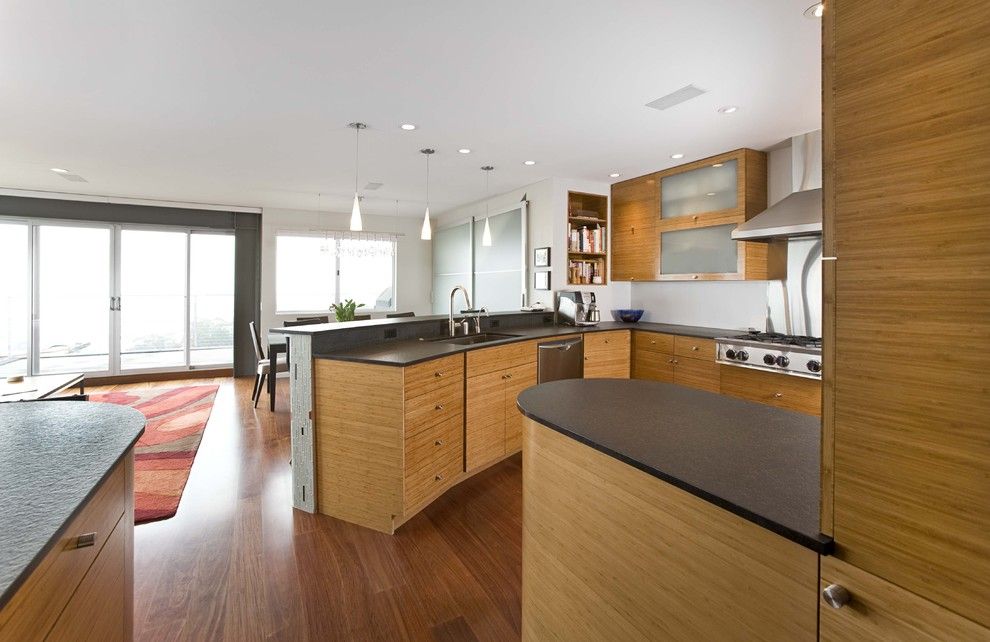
694,348
694,276
438,477
653,342
438,442
836,596
84,540
437,374
439,406
778,395
508,376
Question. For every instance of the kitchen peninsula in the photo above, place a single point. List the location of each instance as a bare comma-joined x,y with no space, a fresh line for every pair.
702,499
389,414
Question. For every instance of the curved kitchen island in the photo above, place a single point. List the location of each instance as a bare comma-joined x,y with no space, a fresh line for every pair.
67,516
655,511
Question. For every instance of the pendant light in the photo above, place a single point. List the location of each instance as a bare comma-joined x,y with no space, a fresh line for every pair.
486,235
356,223
427,233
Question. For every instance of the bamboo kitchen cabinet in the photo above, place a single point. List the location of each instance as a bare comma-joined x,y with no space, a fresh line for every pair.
606,354
495,377
905,436
587,239
676,224
688,361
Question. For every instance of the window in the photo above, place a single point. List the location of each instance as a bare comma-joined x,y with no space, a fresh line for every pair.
14,300
312,271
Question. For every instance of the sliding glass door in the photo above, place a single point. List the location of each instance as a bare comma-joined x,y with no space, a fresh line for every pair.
73,317
106,299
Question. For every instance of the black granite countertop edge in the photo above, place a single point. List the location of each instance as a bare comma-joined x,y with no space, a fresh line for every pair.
29,568
822,544
358,355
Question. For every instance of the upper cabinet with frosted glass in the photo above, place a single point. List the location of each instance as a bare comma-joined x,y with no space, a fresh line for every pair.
676,224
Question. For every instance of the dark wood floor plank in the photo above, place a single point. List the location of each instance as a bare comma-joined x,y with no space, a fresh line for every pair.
238,563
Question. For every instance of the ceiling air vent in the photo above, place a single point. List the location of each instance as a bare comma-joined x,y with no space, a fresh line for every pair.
372,186
682,95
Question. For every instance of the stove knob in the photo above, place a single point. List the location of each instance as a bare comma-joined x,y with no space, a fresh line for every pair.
783,361
742,355
815,366
769,360
730,354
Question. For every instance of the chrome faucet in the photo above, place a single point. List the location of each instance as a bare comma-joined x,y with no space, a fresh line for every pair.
450,316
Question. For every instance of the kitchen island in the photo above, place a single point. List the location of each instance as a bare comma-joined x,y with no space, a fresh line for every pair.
654,511
67,510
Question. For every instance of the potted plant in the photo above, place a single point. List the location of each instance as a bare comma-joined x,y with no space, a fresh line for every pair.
345,311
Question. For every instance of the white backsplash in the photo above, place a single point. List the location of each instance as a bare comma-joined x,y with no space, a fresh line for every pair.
737,305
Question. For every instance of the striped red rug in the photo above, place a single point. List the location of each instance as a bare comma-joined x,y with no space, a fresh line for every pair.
164,455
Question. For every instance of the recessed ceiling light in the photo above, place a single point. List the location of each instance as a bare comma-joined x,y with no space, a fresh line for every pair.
710,194
728,109
407,127
815,11
529,162
59,170
676,156
614,175
717,165
464,150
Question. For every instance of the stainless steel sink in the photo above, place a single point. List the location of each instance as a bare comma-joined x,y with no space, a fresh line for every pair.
472,339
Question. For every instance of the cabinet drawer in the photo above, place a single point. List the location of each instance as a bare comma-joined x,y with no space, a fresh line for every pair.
652,342
500,357
696,373
429,376
655,366
780,390
879,610
694,348
36,605
436,475
433,444
607,341
97,611
434,407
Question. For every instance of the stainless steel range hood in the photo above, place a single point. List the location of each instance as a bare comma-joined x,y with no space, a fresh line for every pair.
800,214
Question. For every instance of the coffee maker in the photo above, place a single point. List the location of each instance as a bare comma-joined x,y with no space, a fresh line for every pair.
576,308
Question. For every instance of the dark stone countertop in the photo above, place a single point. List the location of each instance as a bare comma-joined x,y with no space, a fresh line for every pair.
759,462
409,352
53,455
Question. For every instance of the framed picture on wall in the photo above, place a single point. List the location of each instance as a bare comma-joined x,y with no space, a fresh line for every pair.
541,280
541,257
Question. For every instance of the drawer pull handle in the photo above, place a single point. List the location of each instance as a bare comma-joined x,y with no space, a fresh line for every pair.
85,540
439,477
694,276
778,395
694,348
437,374
438,442
836,596
508,376
653,342
439,406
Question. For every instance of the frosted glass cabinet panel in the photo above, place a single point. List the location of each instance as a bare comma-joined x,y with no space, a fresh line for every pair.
499,268
699,191
452,264
701,250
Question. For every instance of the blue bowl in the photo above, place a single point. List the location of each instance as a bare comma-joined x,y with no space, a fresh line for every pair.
627,316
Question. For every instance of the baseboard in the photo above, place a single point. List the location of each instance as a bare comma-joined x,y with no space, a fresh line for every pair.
159,376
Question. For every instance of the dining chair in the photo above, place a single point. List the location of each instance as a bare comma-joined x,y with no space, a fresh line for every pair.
264,365
362,317
396,315
306,321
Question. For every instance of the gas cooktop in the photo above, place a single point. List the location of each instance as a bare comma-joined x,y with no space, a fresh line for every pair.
772,351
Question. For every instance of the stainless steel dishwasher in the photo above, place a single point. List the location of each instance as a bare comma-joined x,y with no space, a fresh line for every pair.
563,359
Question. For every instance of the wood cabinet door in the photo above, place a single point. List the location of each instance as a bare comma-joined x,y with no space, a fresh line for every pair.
635,208
773,389
656,366
697,373
519,378
911,428
606,354
484,432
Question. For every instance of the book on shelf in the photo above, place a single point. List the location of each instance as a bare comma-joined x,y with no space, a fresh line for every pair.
586,238
586,271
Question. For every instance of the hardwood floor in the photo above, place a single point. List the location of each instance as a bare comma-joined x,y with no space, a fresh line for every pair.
238,563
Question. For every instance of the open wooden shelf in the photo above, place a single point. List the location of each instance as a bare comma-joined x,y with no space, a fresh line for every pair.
587,214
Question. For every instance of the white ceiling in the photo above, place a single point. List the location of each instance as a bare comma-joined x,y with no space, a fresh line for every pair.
246,102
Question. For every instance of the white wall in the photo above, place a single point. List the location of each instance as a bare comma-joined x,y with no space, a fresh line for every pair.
547,225
413,264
